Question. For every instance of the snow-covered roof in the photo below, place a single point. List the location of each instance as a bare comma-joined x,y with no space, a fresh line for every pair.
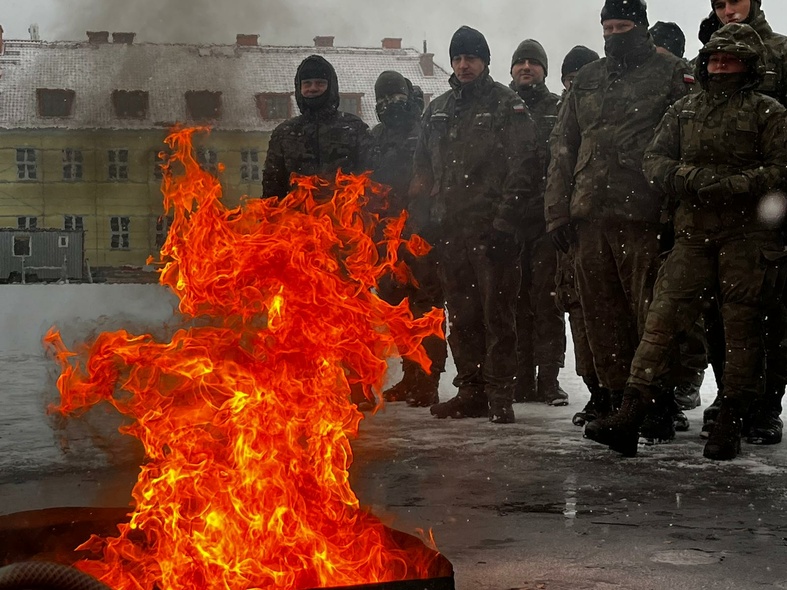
168,71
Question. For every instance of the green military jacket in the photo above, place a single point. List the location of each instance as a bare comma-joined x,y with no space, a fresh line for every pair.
476,162
391,160
605,123
774,84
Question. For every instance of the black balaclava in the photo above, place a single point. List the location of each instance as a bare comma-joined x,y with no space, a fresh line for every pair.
619,45
317,67
393,110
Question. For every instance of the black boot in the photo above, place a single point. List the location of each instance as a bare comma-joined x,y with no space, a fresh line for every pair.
709,417
599,406
424,390
466,404
765,425
659,426
687,395
724,442
620,432
548,387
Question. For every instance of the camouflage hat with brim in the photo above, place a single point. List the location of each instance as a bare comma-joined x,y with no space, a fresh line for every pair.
737,39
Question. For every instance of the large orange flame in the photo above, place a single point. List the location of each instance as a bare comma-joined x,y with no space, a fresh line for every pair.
245,415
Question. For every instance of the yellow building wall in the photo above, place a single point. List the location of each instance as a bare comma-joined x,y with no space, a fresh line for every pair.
97,198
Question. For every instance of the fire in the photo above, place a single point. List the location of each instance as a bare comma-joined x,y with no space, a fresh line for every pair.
245,414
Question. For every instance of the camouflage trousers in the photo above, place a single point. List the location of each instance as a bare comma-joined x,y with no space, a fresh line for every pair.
615,265
732,266
423,297
541,325
480,280
568,302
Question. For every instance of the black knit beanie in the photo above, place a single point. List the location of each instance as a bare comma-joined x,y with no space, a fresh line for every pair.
390,83
532,50
576,59
670,37
633,10
468,41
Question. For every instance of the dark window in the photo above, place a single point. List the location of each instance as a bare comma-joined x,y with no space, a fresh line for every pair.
250,165
118,164
72,164
119,233
161,159
27,222
274,106
350,103
209,160
21,245
26,164
203,105
163,224
55,103
130,104
71,222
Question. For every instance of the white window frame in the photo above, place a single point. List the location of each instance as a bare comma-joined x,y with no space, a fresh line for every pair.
73,162
208,159
123,235
26,164
29,246
74,221
116,162
250,165
27,222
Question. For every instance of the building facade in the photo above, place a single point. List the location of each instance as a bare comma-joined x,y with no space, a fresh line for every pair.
82,125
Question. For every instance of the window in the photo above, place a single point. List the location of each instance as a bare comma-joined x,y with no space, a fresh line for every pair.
27,222
22,246
118,164
274,106
163,224
209,160
26,164
73,222
72,164
55,103
250,165
203,105
119,233
130,104
62,241
350,103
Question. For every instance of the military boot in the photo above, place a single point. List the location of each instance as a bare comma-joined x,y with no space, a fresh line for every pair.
659,425
687,395
424,391
709,416
620,432
501,409
467,404
724,442
765,425
548,387
599,405
525,388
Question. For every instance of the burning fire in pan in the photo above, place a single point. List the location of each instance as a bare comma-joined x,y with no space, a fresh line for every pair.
245,414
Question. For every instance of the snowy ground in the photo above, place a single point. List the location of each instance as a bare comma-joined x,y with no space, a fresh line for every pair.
525,507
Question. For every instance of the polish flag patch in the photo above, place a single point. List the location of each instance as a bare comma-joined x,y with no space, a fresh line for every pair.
520,108
688,79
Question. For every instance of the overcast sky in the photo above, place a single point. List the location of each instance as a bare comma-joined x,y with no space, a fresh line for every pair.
558,24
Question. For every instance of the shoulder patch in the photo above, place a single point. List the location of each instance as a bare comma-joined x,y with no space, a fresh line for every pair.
520,108
688,79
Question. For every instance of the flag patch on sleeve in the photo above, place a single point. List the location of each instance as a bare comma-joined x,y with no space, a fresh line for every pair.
520,108
688,79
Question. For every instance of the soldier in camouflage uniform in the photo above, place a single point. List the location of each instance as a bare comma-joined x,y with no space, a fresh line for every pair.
765,425
598,203
477,165
717,153
321,140
541,326
393,146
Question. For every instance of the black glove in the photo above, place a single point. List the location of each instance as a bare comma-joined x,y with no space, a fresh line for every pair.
723,190
563,237
689,180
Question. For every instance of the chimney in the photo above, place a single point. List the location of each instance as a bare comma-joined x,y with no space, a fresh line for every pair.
392,43
2,41
427,64
323,41
247,40
123,38
98,37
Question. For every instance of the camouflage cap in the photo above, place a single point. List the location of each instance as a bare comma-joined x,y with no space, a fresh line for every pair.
737,39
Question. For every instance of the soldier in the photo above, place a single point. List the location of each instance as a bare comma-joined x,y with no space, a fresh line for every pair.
476,164
598,203
321,140
393,146
575,59
718,153
541,327
765,425
669,38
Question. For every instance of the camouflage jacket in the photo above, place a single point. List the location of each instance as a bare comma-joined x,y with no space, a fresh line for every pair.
391,162
315,143
744,133
605,123
476,162
543,106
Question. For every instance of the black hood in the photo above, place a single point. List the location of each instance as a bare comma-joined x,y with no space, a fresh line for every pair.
332,103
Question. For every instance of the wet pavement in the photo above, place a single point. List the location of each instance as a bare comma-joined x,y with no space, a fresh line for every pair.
528,506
